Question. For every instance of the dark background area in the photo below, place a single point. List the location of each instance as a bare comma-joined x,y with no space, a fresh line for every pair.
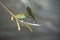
48,16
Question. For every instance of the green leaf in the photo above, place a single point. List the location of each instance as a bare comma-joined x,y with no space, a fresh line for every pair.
18,25
29,11
20,16
28,27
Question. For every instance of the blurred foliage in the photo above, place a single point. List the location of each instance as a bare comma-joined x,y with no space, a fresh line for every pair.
20,16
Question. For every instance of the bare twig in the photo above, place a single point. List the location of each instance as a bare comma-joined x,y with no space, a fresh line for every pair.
6,8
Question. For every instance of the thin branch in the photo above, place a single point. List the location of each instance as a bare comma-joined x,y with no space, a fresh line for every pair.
6,8
8,11
14,15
